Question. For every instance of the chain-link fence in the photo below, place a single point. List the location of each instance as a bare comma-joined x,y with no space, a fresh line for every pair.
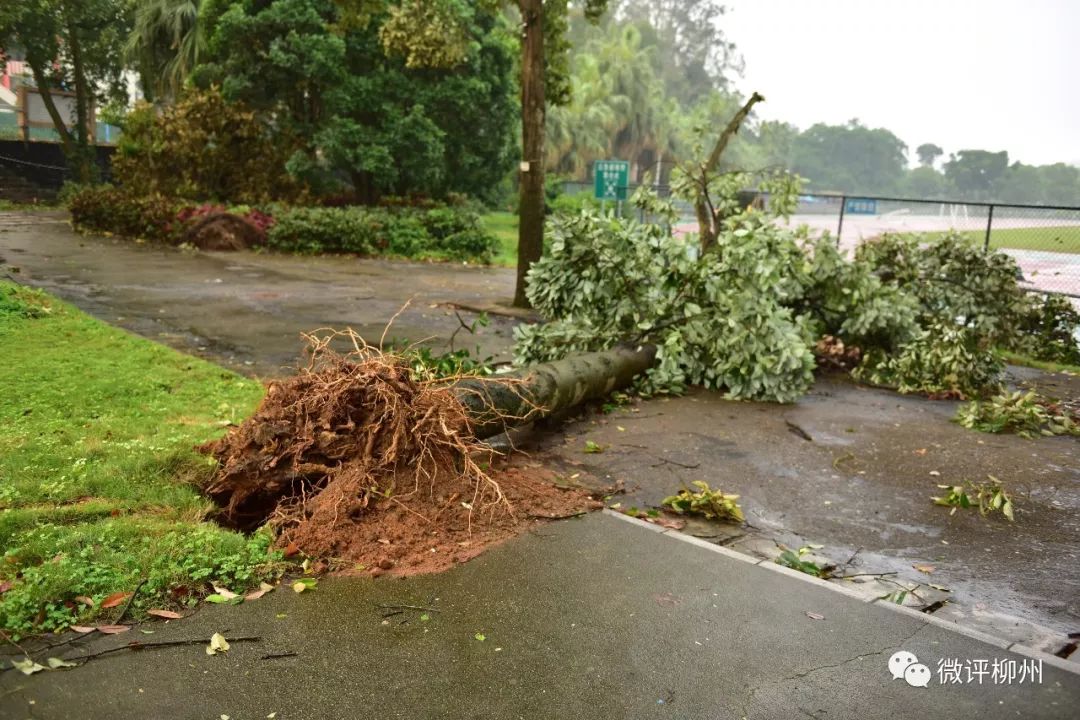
1045,241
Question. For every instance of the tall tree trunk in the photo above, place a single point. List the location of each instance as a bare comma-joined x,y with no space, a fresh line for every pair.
66,141
531,205
82,106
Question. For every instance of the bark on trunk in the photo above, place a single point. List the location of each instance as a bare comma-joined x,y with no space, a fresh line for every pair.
66,141
708,222
498,403
82,107
531,205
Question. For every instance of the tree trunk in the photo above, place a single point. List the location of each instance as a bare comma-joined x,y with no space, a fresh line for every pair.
82,107
501,402
531,204
66,140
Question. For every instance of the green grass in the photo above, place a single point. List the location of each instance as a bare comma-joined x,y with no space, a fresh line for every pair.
1014,358
504,225
97,468
1050,239
10,206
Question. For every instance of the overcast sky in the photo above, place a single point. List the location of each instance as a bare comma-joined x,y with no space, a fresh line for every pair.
992,75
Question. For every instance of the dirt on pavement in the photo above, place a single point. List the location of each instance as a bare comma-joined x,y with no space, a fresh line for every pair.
353,461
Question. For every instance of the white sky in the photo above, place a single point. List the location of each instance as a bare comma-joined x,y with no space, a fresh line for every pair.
988,74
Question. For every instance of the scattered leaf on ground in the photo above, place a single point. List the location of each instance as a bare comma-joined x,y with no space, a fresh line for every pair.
115,599
7,585
56,663
924,568
814,615
216,599
281,616
167,614
425,617
591,447
87,601
304,584
920,451
480,636
669,523
27,666
83,628
256,594
935,473
218,643
225,593
113,629
939,587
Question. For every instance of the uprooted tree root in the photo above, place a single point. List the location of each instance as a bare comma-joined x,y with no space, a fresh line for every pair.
354,459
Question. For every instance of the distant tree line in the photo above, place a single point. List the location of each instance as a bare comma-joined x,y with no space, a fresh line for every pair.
651,83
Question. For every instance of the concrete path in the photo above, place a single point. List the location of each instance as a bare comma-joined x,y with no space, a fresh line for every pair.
599,617
246,309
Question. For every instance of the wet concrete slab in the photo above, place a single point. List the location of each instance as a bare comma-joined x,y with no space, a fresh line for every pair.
247,309
594,617
861,486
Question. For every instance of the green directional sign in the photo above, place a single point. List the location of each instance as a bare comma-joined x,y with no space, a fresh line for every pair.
612,178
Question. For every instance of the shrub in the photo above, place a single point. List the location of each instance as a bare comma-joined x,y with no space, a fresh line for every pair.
448,233
317,230
203,147
107,209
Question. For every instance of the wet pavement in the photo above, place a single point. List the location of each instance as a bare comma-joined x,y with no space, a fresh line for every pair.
861,487
247,309
594,618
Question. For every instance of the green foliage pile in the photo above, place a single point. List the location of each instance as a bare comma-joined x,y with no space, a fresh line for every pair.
203,148
99,488
989,497
1025,413
709,503
745,316
443,233
117,211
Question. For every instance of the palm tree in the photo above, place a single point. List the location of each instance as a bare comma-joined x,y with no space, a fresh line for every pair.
165,44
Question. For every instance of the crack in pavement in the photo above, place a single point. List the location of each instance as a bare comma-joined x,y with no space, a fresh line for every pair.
751,691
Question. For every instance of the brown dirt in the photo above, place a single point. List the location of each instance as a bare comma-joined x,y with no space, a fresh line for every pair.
224,231
355,462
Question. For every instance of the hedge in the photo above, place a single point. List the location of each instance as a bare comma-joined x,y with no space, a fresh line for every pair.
440,232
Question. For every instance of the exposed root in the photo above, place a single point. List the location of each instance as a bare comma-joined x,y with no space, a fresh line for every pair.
348,431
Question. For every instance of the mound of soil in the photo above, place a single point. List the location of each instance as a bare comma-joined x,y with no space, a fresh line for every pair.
224,231
356,461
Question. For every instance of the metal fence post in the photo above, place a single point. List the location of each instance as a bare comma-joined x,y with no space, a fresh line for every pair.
840,225
989,224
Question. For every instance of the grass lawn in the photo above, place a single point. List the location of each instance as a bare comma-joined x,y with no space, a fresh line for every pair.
503,225
97,469
1050,239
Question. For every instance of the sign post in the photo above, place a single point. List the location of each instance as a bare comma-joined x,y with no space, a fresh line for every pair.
611,179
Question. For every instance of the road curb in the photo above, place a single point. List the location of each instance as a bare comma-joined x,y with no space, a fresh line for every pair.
1008,645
